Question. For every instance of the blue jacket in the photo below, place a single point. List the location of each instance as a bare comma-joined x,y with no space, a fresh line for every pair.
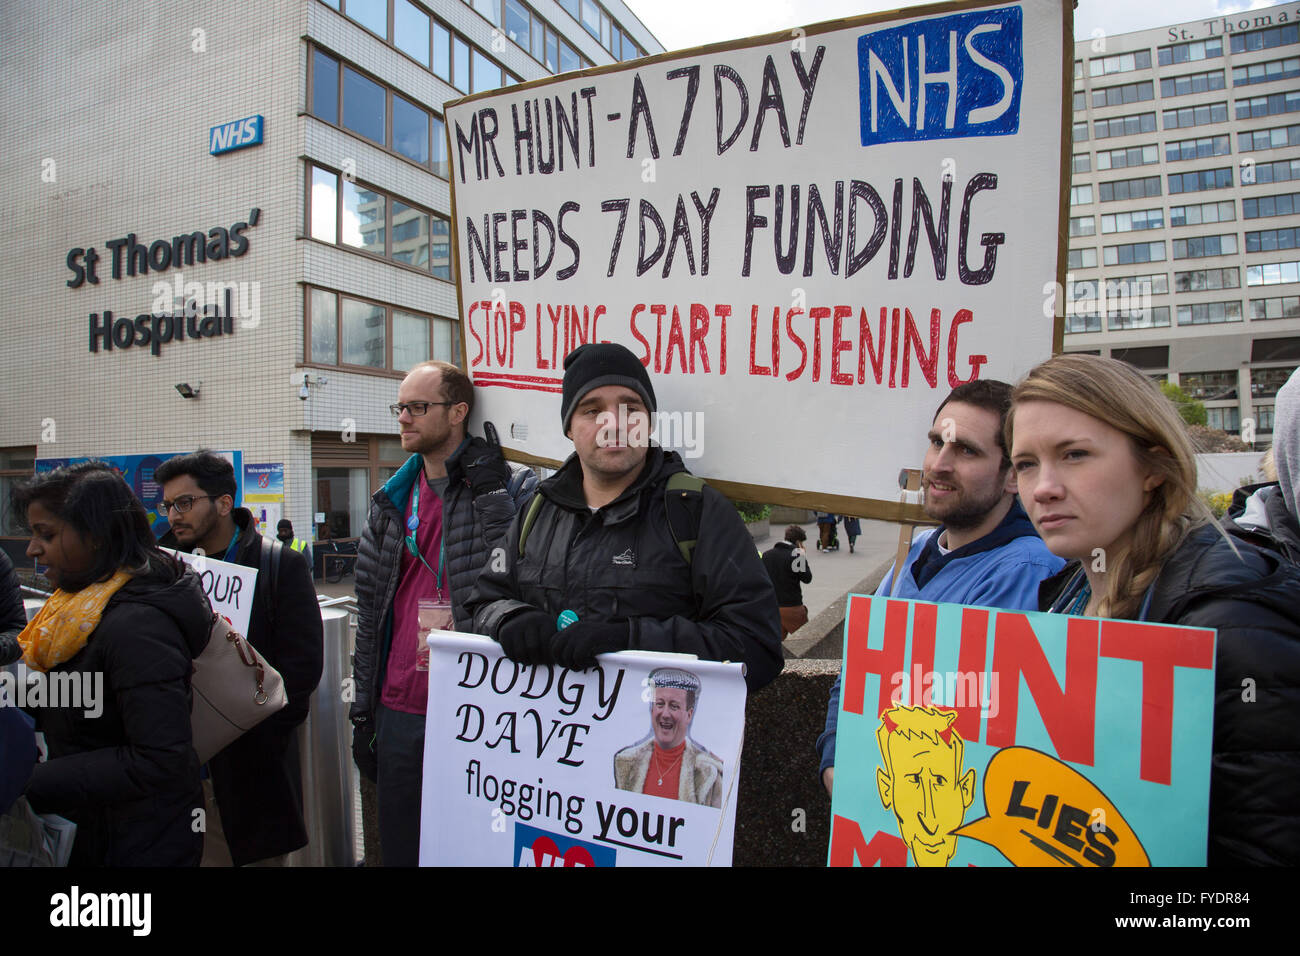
1000,570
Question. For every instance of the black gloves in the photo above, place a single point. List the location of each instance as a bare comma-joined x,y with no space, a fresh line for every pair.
577,645
526,637
363,749
485,468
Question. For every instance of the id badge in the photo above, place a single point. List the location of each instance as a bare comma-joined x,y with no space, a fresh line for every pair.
434,614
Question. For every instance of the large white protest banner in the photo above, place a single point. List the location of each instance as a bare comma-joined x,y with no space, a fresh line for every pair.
807,238
229,587
632,763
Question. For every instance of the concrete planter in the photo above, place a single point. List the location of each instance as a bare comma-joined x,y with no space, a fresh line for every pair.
759,530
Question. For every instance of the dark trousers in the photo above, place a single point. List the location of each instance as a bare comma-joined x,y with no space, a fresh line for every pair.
401,773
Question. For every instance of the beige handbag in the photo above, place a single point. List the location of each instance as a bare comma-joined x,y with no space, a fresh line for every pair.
234,690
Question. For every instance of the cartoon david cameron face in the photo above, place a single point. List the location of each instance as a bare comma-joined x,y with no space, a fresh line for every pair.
921,780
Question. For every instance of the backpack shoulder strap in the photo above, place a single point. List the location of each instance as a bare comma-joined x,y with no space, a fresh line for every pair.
684,503
530,518
268,574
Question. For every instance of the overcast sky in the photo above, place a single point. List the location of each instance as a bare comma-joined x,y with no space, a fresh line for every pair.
686,23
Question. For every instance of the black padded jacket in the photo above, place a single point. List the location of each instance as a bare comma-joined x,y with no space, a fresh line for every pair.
622,563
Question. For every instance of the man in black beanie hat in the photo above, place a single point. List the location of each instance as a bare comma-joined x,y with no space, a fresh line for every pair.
625,549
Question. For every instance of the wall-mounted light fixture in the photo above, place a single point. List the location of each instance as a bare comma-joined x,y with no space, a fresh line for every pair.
189,391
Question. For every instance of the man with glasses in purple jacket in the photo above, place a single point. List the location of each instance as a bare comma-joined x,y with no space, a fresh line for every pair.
430,531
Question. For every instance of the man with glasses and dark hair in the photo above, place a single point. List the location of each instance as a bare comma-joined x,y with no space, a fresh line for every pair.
256,781
431,530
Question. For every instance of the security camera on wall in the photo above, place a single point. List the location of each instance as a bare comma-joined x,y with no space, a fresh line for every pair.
303,391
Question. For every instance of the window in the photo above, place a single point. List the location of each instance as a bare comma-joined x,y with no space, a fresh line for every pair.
350,331
1265,382
1209,386
1264,39
1263,416
1121,189
1269,105
1270,240
1078,69
1132,156
410,339
410,130
364,106
1200,180
1281,171
1200,148
1144,357
1128,254
1225,419
325,87
1157,283
1133,221
323,205
1285,204
1080,133
1120,63
1190,52
1266,72
1209,313
1082,163
1225,211
1126,93
16,465
411,31
1080,195
1273,273
1191,83
1275,138
1201,246
1186,116
491,9
1125,125
1148,318
1279,307
1080,100
362,217
1082,323
1081,258
371,14
486,74
324,327
1201,280
415,133
1083,226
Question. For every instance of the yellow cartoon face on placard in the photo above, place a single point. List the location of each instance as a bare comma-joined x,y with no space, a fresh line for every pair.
921,780
1042,812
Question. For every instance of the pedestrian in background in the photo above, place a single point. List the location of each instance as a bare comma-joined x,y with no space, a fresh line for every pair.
787,566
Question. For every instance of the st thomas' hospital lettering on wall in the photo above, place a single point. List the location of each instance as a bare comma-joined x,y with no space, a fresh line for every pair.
180,309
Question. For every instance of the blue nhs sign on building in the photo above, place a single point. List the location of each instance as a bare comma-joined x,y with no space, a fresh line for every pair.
235,135
949,77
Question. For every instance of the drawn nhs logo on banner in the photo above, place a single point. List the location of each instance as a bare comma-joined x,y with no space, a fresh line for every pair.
945,78
235,135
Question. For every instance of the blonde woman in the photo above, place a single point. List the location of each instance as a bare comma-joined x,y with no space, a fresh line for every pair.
1108,477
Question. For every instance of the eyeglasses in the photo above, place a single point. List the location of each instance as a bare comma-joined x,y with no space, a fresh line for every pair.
416,409
182,504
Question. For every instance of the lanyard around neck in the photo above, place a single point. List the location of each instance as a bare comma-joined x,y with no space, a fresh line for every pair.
413,525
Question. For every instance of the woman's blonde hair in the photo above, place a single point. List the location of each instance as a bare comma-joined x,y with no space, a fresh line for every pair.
1118,394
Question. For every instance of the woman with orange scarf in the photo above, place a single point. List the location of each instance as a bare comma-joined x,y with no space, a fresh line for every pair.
122,627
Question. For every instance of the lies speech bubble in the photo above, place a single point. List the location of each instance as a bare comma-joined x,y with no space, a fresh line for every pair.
1042,812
